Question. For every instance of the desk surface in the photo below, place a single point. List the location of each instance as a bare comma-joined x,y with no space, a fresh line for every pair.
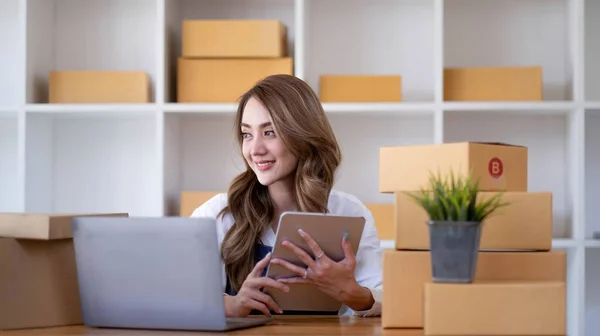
282,325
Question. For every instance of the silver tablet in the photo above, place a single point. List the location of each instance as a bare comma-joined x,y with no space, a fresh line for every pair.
328,231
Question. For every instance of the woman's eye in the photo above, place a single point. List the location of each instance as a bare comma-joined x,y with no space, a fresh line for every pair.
245,135
270,133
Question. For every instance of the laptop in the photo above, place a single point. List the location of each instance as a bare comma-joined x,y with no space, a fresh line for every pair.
152,273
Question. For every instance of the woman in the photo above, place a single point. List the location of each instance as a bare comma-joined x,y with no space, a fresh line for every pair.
291,157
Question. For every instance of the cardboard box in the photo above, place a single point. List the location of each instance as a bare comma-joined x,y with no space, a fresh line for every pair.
360,89
224,80
495,308
493,84
524,224
38,286
499,167
233,38
99,87
406,272
41,226
383,215
190,200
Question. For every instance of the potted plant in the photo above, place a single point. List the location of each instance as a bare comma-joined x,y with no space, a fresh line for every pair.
455,219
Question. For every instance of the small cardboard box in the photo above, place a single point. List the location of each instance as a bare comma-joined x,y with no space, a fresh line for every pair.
406,272
190,200
497,166
99,87
38,283
360,89
495,308
224,80
524,224
41,226
233,38
383,215
493,84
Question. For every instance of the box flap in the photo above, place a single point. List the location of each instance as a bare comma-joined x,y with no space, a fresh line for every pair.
495,143
42,226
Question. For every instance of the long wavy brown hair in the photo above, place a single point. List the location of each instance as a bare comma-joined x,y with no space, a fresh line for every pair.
305,131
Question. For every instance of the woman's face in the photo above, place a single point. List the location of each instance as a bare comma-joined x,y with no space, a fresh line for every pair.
262,148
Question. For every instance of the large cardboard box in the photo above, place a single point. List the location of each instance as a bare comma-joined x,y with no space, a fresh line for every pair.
493,84
233,38
383,215
224,80
406,272
495,308
524,224
190,200
38,284
99,87
497,166
360,88
38,275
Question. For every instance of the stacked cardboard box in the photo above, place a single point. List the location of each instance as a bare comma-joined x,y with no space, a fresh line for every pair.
493,84
190,200
517,83
360,88
519,285
384,216
38,275
99,87
221,59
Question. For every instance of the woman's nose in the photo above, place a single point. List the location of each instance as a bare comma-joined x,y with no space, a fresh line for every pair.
258,146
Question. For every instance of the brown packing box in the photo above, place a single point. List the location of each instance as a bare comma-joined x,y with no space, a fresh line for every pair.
383,215
498,167
190,200
493,84
524,224
224,80
495,308
41,226
360,88
406,272
233,38
38,282
38,286
99,87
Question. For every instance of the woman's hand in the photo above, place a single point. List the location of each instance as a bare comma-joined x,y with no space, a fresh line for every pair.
333,278
250,296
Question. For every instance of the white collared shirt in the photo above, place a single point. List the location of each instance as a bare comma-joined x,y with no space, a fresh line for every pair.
368,271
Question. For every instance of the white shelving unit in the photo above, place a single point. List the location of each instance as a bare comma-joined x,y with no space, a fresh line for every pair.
138,158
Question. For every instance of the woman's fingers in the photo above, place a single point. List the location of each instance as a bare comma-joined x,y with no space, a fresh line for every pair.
296,281
250,303
258,283
266,300
348,253
291,267
317,250
306,259
269,282
260,266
